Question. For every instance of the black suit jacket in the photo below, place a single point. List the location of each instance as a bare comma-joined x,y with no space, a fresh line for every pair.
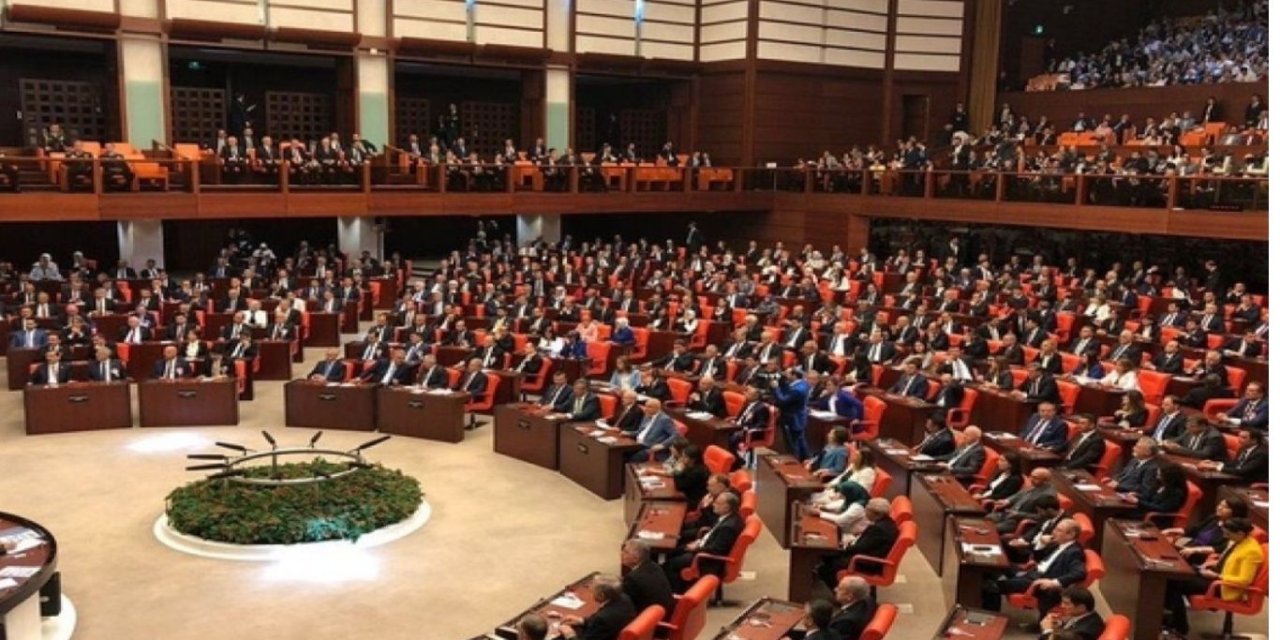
850,621
647,585
1211,445
1083,453
475,385
939,444
629,418
1088,627
118,371
876,541
1250,465
712,402
41,375
1166,363
403,375
609,621
436,377
338,372
1067,568
590,407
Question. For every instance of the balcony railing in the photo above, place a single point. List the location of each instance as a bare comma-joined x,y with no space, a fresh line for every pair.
107,176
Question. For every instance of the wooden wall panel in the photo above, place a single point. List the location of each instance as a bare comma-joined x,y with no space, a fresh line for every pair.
721,117
802,115
1062,106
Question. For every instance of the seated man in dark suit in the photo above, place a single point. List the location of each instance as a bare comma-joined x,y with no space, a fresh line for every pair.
708,398
939,441
432,375
679,360
242,349
1251,410
816,623
969,455
629,413
1046,514
1200,440
1139,473
645,583
855,607
558,394
614,614
705,516
1075,615
1045,429
653,386
529,363
393,371
331,369
475,381
583,405
1086,449
876,541
752,421
104,368
1171,422
1040,386
1056,567
1009,512
912,382
717,541
1250,462
171,367
52,371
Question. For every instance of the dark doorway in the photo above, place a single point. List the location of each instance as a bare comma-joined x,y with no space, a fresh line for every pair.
915,116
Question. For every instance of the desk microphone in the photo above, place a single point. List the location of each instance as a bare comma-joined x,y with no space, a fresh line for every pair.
373,443
271,441
314,439
232,446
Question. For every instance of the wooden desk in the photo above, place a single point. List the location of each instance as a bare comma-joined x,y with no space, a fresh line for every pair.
963,567
594,464
934,497
275,360
524,433
895,459
1099,400
705,432
1126,438
318,405
1180,385
780,481
658,525
1001,411
1140,563
188,403
324,329
508,387
636,493
1257,499
811,539
661,343
765,619
904,416
18,365
78,406
1031,456
20,606
573,368
552,608
973,624
1255,369
416,412
350,319
1101,504
1210,482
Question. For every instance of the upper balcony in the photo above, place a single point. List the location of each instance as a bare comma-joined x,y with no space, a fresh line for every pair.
200,186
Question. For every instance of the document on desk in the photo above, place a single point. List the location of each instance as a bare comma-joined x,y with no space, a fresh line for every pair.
440,392
1002,435
920,457
1088,487
607,440
698,415
822,415
568,601
980,549
897,452
19,572
8,583
650,535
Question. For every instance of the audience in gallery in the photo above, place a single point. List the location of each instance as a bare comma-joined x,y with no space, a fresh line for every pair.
1224,45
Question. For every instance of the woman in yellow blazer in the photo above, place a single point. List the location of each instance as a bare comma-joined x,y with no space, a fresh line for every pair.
1236,568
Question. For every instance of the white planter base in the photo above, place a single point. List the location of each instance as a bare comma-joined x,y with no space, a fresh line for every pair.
172,538
60,627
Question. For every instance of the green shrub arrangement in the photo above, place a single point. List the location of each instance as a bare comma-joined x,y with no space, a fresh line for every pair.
340,508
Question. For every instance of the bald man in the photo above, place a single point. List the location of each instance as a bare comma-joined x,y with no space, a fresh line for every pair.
655,432
969,455
1007,513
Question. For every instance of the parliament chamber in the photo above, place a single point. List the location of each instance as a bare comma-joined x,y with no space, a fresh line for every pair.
610,319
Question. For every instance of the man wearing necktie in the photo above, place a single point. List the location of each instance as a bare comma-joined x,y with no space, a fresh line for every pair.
390,371
331,369
105,368
556,397
52,372
585,405
1199,441
1057,567
170,368
1045,429
475,382
1251,410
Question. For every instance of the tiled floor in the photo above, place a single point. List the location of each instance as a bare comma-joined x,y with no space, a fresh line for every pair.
502,535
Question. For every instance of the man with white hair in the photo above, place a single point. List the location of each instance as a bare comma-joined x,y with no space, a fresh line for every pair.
857,605
622,334
45,269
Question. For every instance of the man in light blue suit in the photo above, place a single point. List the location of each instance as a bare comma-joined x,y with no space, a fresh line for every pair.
655,432
29,336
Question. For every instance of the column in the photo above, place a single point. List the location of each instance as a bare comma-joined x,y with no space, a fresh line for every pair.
141,240
357,235
145,84
372,104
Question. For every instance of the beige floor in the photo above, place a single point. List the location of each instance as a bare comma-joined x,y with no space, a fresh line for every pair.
502,535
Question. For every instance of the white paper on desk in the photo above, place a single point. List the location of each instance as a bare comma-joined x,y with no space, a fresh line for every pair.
567,601
920,457
1088,487
8,583
19,572
607,440
332,384
598,432
417,391
649,535
640,397
1260,504
1002,435
897,452
440,392
698,415
980,549
602,424
1085,380
822,415
26,544
347,384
